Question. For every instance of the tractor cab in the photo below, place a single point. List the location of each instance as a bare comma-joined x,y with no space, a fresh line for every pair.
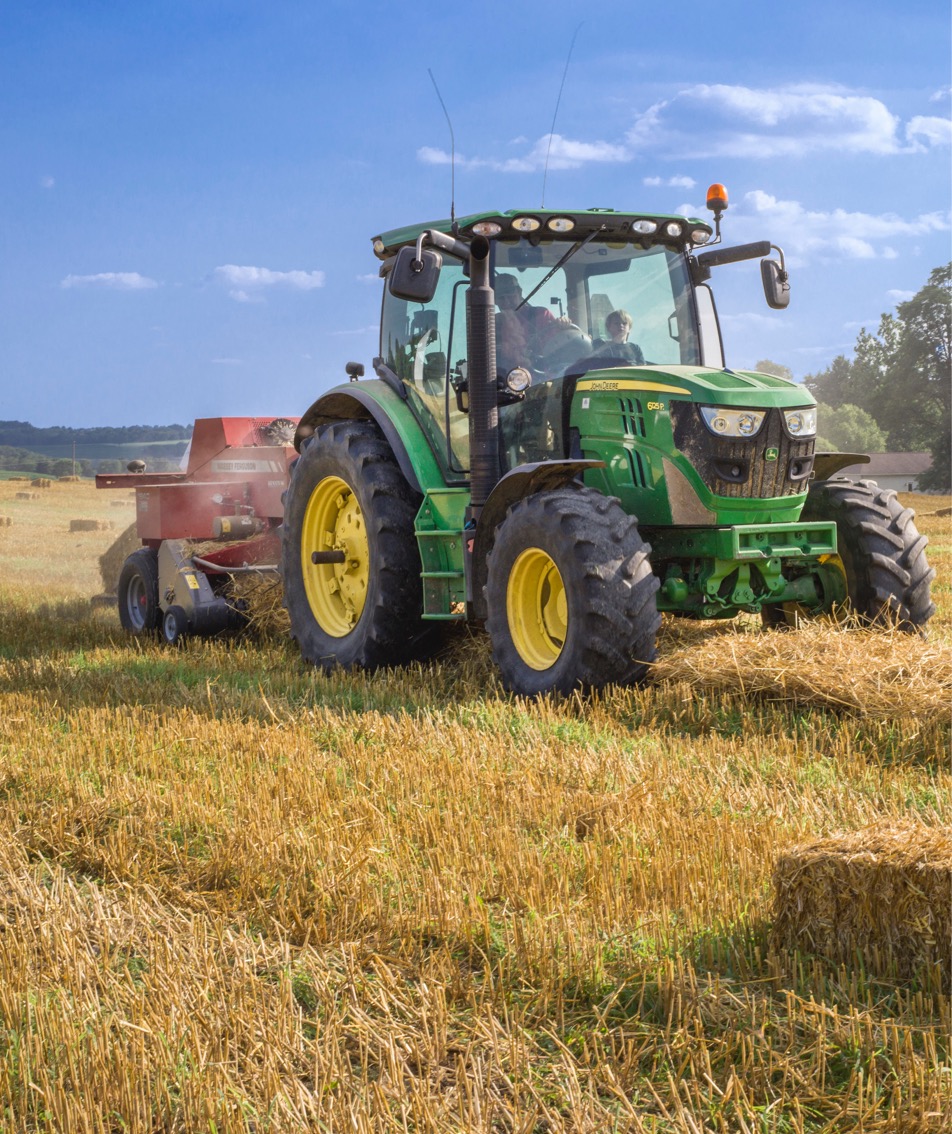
561,289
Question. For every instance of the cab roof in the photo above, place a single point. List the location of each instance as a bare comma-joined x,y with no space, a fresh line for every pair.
615,225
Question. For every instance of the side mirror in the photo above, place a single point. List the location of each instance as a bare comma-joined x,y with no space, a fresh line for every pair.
413,279
776,284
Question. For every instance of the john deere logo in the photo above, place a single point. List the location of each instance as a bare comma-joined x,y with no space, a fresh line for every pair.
771,454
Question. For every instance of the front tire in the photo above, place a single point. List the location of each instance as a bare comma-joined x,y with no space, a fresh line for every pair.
570,594
882,553
361,604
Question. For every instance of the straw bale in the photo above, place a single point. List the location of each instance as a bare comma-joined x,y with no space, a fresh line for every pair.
91,525
876,672
112,559
42,482
882,895
6,521
69,479
28,496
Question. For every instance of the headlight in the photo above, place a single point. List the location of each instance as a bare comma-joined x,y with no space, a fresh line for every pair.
672,228
518,380
644,227
526,224
700,235
487,228
733,422
801,422
560,224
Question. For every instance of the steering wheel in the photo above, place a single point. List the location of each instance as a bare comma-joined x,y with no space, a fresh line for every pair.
566,346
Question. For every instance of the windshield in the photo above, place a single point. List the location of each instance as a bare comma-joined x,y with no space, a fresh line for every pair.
596,306
606,304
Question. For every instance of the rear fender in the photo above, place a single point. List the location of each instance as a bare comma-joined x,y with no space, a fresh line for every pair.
525,480
374,401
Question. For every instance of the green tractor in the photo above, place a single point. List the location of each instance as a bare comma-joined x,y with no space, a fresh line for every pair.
554,448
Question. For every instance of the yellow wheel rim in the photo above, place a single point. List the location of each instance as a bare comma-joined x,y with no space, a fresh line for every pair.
537,609
333,521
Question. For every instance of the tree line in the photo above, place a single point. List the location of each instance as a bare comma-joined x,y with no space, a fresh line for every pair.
899,382
21,434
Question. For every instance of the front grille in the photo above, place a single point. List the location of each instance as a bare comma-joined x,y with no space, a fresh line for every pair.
738,466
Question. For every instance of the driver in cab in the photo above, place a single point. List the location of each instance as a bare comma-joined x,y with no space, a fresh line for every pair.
523,333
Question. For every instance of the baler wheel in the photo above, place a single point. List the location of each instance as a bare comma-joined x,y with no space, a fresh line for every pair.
175,625
138,593
570,594
361,602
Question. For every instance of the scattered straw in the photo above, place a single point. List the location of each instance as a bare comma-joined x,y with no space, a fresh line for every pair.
882,894
876,672
112,559
262,599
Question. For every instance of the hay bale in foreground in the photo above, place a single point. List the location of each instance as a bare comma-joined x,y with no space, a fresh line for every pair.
112,559
882,895
28,496
42,482
6,521
91,525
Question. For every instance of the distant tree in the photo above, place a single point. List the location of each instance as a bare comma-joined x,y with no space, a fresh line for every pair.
900,376
777,369
62,467
848,429
835,386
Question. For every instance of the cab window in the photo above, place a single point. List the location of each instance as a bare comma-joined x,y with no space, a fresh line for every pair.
425,346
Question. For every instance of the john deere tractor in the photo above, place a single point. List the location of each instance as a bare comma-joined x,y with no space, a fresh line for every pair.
553,447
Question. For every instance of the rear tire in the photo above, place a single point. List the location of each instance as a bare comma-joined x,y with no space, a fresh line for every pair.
888,577
570,594
138,593
347,494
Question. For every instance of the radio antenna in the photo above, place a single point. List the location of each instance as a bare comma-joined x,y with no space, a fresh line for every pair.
545,172
452,152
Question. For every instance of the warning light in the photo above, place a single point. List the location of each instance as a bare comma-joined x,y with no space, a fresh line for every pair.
717,198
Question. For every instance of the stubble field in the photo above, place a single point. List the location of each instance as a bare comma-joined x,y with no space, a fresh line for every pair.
238,895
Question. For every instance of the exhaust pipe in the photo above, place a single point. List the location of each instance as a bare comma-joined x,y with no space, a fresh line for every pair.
483,406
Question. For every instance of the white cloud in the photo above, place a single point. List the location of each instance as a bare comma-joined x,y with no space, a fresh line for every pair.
47,182
227,361
369,277
719,120
561,153
723,120
897,295
838,234
679,182
923,131
941,94
246,283
117,281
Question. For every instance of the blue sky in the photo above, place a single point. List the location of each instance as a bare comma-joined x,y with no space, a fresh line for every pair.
188,190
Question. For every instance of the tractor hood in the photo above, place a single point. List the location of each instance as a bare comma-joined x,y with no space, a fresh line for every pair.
701,384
